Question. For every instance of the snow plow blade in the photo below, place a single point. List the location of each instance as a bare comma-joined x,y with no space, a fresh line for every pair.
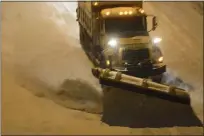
141,85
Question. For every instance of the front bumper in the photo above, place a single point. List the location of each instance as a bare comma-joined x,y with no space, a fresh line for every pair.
143,72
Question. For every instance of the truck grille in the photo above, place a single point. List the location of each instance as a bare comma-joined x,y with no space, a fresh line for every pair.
135,56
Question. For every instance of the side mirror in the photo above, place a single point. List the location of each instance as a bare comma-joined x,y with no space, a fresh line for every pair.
154,23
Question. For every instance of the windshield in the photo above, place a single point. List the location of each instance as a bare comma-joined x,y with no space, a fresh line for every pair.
130,24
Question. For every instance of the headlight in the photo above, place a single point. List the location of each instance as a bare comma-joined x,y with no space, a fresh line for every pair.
157,40
113,43
160,59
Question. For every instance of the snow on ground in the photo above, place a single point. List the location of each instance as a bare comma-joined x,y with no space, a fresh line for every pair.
41,54
182,30
45,50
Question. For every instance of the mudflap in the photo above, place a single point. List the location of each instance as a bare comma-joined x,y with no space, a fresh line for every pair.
143,90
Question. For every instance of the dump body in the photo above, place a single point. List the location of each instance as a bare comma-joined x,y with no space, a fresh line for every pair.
115,35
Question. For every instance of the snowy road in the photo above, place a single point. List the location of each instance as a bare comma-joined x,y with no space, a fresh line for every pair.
41,53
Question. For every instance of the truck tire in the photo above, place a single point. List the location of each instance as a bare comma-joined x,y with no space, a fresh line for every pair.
102,64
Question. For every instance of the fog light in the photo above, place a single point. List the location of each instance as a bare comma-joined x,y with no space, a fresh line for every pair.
107,62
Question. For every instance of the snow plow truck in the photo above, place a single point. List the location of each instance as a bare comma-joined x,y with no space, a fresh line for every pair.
115,36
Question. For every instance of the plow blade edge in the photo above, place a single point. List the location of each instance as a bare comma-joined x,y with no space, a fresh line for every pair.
142,86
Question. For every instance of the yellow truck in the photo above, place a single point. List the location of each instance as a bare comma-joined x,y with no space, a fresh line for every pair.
115,35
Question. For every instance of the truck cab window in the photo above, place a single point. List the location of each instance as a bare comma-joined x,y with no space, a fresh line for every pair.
123,25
